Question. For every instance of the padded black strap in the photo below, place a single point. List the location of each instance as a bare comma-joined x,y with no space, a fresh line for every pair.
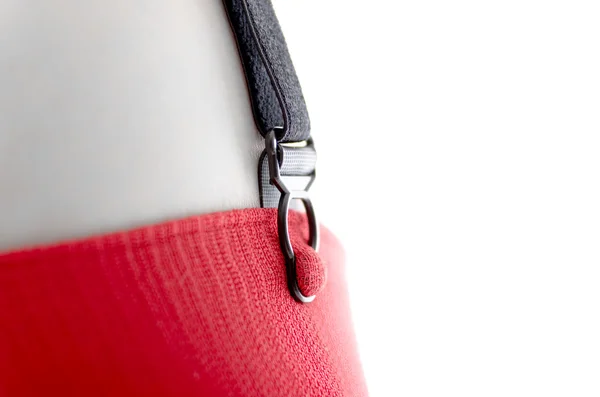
275,93
285,170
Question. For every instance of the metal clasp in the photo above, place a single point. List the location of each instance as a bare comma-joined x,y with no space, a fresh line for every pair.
272,148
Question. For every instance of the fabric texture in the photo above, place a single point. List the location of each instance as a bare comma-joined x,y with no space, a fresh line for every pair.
195,307
275,92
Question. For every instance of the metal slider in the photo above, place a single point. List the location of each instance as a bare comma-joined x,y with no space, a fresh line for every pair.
287,195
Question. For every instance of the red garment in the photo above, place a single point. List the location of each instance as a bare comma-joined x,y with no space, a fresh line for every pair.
196,307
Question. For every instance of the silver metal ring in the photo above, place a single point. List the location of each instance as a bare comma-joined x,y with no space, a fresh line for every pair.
282,218
286,244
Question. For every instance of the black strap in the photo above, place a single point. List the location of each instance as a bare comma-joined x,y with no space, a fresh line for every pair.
285,172
275,93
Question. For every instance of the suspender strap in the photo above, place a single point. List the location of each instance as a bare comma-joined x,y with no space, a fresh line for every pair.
275,93
285,172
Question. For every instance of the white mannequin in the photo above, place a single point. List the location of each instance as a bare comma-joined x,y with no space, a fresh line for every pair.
116,114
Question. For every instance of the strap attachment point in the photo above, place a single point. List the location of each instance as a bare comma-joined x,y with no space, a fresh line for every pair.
287,195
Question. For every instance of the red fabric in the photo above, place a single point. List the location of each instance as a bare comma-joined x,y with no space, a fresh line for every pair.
311,271
196,307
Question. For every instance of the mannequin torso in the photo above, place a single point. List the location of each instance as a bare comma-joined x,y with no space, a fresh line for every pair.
114,116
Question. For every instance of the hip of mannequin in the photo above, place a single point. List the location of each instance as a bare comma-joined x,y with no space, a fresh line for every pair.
117,114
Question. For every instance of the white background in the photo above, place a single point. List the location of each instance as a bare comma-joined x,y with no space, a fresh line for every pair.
459,149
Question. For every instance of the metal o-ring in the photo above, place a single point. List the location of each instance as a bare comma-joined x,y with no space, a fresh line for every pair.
286,244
